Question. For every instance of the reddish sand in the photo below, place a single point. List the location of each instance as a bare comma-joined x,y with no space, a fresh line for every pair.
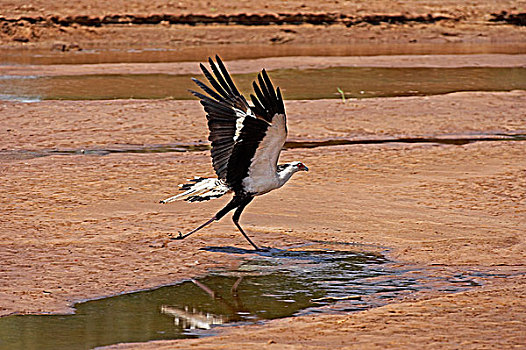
82,226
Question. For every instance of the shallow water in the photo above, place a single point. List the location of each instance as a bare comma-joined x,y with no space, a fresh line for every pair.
295,84
269,285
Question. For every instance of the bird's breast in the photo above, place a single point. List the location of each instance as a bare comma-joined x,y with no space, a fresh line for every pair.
260,184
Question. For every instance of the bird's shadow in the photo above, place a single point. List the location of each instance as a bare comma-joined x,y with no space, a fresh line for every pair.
310,255
264,251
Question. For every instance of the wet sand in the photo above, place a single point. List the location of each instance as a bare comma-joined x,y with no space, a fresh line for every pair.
272,63
86,226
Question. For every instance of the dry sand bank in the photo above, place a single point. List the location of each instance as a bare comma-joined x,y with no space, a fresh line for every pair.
46,7
275,28
76,125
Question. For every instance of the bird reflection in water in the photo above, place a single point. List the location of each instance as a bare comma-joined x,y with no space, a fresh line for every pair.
195,319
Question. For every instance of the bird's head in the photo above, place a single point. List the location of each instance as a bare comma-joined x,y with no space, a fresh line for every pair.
298,166
285,171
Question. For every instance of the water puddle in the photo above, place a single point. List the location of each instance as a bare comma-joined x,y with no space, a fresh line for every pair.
8,155
67,55
458,141
296,84
317,278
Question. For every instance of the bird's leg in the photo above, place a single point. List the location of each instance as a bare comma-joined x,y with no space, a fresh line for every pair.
245,235
233,290
234,203
236,216
181,236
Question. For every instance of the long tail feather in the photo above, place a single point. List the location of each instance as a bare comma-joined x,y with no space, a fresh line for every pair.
200,189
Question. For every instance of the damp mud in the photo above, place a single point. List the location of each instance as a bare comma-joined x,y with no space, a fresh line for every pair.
97,227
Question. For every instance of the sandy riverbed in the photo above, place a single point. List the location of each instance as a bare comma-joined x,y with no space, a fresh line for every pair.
83,226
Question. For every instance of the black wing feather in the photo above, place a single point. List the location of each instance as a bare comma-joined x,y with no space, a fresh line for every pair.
219,106
228,78
271,93
220,78
206,89
267,101
232,154
215,84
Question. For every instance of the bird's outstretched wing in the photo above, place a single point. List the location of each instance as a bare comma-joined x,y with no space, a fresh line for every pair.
245,139
256,152
224,107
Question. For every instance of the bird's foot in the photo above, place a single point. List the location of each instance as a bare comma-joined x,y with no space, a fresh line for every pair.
263,249
180,236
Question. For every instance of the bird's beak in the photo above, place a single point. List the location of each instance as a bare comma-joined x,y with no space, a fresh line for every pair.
305,168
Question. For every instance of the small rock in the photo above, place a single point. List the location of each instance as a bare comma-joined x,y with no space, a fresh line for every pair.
21,39
59,46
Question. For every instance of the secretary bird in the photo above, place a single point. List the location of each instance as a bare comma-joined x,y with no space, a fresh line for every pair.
246,143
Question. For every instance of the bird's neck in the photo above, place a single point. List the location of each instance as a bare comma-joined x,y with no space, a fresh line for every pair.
284,175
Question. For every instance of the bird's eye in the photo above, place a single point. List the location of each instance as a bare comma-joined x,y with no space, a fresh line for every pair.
301,166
